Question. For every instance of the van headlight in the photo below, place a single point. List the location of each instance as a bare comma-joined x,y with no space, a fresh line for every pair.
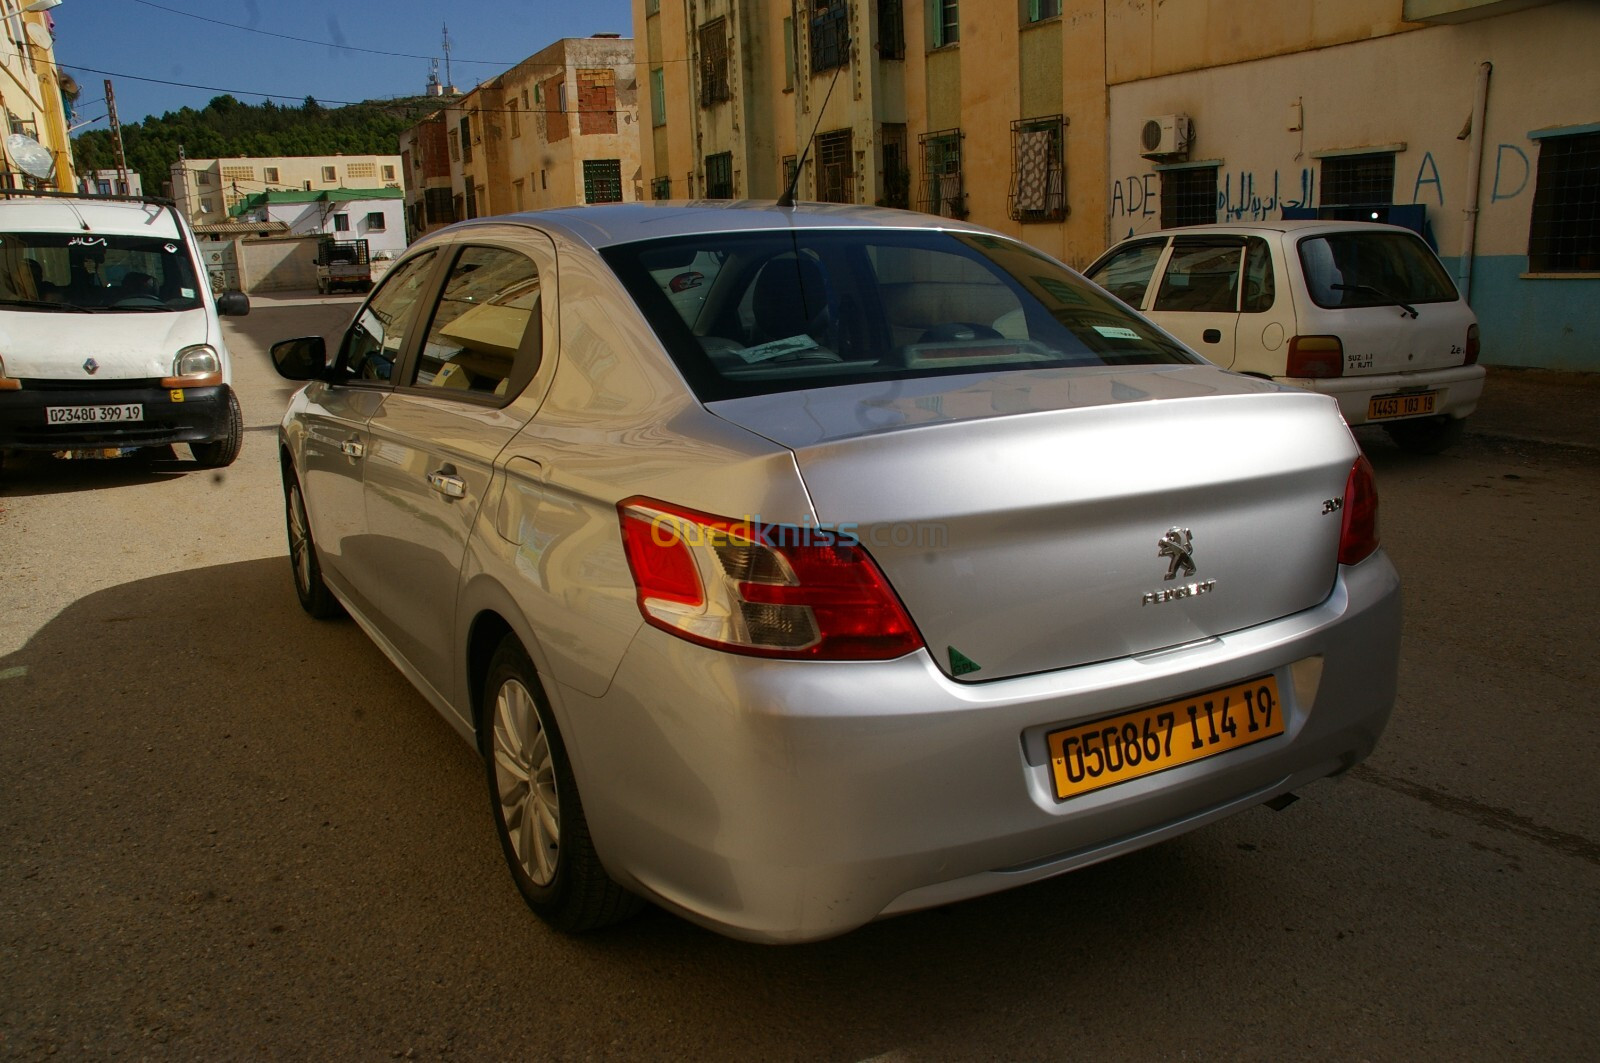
199,366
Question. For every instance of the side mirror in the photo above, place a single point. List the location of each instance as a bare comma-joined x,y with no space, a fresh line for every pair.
233,304
305,358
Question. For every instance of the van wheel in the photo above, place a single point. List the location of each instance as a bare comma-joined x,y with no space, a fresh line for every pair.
534,799
220,452
1427,435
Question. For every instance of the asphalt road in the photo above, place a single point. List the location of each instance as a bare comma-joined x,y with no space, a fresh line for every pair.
228,830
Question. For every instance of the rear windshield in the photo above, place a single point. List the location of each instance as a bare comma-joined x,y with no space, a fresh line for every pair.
1372,269
757,313
95,272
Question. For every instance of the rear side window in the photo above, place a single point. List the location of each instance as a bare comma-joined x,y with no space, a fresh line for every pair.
1354,269
1202,276
783,311
485,337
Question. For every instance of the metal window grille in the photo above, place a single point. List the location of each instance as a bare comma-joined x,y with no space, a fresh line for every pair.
714,62
891,29
1038,169
1358,180
942,189
661,188
836,172
830,35
602,180
719,176
1188,196
1564,230
896,168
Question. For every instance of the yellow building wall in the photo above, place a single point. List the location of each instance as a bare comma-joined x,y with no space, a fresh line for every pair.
31,90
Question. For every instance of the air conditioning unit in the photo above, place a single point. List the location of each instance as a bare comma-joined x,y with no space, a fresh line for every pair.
1165,136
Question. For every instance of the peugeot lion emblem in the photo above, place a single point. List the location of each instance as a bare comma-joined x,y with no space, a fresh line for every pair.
1178,545
91,366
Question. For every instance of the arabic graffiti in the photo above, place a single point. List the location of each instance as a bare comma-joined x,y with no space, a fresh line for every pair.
1259,204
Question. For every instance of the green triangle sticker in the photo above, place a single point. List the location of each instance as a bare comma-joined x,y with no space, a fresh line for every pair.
960,663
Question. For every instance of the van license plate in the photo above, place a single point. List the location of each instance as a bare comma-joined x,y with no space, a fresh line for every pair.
1418,404
127,411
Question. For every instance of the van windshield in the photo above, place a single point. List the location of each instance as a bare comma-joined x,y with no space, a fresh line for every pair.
96,273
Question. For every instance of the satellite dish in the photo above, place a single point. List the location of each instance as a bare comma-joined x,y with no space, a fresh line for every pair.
31,157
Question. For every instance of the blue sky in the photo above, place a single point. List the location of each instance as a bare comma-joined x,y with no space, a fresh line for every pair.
173,41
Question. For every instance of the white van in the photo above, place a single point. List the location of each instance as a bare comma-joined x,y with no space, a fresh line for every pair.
109,338
1360,311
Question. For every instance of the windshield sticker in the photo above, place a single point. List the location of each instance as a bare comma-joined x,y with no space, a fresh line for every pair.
87,241
170,248
1060,291
765,352
1112,332
187,293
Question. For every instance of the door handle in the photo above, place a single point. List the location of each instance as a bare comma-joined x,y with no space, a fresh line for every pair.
1212,335
353,448
447,483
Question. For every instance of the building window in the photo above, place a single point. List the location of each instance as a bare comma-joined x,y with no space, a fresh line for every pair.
1039,10
202,178
791,164
376,222
208,206
652,7
658,97
1358,180
891,29
269,174
602,180
896,167
719,176
341,223
1038,169
789,63
517,200
464,131
661,188
1564,230
836,173
944,22
388,173
830,35
1188,196
942,191
714,62
470,203
329,174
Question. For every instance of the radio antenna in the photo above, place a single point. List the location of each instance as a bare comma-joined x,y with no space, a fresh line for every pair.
787,199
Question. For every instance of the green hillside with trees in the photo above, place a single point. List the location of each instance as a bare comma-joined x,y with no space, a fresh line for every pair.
227,128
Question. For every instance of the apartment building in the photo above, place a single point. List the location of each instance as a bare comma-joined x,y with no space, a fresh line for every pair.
35,94
558,129
208,190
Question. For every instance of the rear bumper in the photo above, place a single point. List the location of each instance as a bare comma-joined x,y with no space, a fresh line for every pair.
185,415
784,801
1459,387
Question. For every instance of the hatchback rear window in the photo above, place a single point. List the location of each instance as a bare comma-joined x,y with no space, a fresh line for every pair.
1354,269
757,313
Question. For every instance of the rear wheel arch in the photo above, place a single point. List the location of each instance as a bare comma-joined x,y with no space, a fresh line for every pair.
484,635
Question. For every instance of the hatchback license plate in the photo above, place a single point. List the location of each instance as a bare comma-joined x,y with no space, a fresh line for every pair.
1135,744
1383,407
127,411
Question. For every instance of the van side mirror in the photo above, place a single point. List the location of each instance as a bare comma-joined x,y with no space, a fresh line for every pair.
233,304
305,358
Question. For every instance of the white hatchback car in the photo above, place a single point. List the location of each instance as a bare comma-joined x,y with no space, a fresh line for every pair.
1363,312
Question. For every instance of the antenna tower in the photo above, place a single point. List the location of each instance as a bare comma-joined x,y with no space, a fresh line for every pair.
449,82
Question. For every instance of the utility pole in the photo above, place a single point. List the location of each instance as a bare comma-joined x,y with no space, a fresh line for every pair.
116,139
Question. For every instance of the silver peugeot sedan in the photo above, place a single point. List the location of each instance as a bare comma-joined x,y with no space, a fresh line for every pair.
793,567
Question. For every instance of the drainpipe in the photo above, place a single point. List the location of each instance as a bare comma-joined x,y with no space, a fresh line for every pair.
1469,231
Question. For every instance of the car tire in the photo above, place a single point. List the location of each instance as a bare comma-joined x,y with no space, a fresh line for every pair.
219,453
315,597
1429,435
533,796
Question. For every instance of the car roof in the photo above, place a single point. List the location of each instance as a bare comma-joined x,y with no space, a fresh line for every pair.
1247,228
118,216
608,225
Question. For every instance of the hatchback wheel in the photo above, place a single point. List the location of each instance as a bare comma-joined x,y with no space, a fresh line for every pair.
1429,435
315,598
537,812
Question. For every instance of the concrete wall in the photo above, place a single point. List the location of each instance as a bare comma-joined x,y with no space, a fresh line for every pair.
277,264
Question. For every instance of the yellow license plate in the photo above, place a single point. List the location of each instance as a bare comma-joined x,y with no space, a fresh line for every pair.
1385,406
1092,756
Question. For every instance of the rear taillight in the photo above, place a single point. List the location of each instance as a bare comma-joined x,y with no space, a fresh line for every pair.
763,590
7,383
1472,346
1358,533
1315,356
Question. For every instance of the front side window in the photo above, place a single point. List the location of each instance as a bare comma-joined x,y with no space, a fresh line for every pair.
1564,230
1188,196
1126,272
756,313
1360,269
486,336
102,273
377,339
